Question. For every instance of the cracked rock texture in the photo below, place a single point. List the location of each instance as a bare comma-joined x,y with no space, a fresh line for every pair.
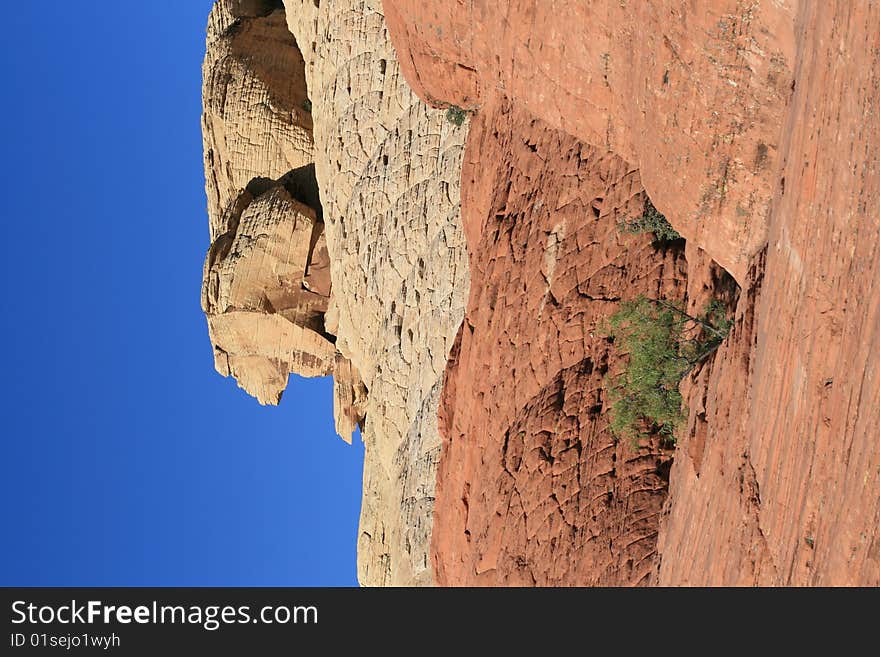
266,286
253,88
301,96
754,128
752,125
690,93
388,168
532,488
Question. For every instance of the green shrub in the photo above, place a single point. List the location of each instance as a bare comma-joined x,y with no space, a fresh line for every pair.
456,115
651,221
663,344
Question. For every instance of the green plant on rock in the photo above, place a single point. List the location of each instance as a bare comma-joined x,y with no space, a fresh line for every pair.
651,221
456,115
663,343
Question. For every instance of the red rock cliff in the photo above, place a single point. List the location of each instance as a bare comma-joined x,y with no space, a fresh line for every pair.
754,127
532,489
691,93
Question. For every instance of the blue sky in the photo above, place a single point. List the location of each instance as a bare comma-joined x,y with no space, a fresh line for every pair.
126,459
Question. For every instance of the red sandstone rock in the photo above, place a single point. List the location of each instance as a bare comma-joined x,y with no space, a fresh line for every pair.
532,488
690,93
785,488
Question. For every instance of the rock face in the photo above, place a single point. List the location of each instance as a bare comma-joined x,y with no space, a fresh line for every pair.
779,483
267,283
266,286
532,487
385,229
757,142
753,126
254,122
388,168
690,93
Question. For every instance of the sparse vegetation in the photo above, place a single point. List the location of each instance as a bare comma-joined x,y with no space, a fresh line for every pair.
651,221
456,115
663,343
307,105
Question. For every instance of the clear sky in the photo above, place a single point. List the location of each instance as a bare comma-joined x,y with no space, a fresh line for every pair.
126,459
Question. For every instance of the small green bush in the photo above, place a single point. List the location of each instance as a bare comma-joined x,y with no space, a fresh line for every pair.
456,115
663,344
307,105
651,221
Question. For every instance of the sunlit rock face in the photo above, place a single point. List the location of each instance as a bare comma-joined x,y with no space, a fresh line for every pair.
266,287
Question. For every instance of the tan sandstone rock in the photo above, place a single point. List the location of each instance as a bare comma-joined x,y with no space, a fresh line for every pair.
253,90
263,319
388,170
389,173
267,274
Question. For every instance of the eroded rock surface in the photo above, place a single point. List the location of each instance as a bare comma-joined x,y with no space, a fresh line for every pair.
754,128
300,82
690,93
253,91
532,487
266,285
388,169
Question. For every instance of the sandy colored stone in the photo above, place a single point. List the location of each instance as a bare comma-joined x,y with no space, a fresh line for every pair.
254,124
266,283
389,172
263,320
349,397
